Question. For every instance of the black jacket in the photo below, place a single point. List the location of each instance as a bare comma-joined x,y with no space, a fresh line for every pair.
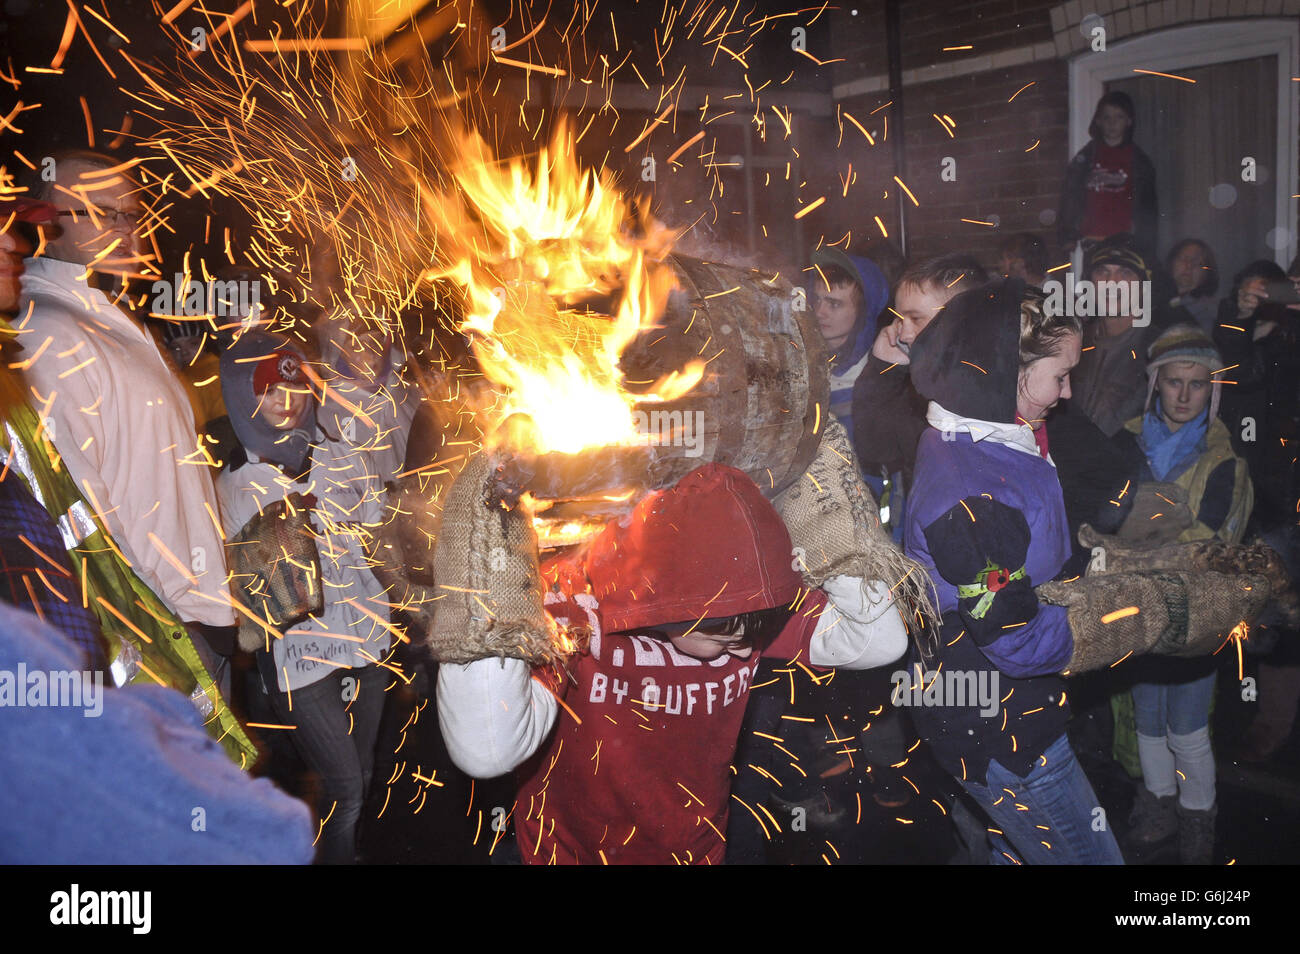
888,418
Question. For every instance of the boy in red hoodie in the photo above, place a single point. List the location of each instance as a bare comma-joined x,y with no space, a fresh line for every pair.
626,748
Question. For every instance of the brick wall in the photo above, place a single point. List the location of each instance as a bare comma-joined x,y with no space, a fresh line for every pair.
1015,43
999,177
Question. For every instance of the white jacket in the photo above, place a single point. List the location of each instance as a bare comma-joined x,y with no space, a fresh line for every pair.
124,427
390,408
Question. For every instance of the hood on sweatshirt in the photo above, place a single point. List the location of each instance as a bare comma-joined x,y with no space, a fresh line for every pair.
968,358
711,546
248,368
875,296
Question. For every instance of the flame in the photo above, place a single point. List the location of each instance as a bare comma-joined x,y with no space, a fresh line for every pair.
538,250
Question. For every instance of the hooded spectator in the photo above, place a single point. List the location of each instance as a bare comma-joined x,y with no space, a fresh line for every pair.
849,293
1184,442
299,509
985,518
1259,341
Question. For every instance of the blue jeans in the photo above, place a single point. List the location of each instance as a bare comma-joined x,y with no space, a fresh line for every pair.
1178,708
1051,817
336,739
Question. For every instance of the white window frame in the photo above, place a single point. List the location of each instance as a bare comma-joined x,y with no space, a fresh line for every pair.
1205,44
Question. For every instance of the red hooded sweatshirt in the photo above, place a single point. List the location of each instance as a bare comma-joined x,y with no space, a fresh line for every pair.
638,768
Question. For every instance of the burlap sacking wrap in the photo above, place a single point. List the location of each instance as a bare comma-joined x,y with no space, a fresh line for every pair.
1158,516
275,567
1179,613
835,528
1255,559
1204,607
1099,644
488,579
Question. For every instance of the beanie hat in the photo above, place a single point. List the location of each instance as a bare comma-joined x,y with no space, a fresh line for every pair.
1185,344
1118,250
278,367
711,546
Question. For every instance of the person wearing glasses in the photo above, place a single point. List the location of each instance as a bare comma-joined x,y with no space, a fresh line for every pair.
624,745
118,416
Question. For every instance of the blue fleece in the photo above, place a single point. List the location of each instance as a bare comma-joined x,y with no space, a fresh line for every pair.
947,471
875,296
141,783
845,369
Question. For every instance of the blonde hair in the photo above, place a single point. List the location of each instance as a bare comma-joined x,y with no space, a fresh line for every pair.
1040,331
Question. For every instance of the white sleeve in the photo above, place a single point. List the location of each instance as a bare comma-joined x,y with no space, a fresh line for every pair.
860,626
493,714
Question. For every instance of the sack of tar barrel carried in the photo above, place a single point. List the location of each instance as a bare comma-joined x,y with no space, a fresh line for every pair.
275,569
1113,616
1115,555
489,579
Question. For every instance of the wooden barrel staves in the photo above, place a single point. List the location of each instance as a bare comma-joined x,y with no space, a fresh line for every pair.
765,392
759,406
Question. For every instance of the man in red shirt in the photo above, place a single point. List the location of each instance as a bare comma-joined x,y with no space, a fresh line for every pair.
625,750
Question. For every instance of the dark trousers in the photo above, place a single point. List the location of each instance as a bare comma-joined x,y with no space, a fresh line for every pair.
336,722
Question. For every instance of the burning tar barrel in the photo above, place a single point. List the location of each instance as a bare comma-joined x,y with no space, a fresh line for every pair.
759,406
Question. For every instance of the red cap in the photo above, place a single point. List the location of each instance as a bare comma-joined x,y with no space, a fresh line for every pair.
26,210
711,546
278,367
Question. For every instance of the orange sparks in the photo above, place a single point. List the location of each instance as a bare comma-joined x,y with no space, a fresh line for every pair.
1021,90
686,145
1124,613
1166,75
311,43
908,191
177,10
69,30
808,208
553,71
649,127
862,129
